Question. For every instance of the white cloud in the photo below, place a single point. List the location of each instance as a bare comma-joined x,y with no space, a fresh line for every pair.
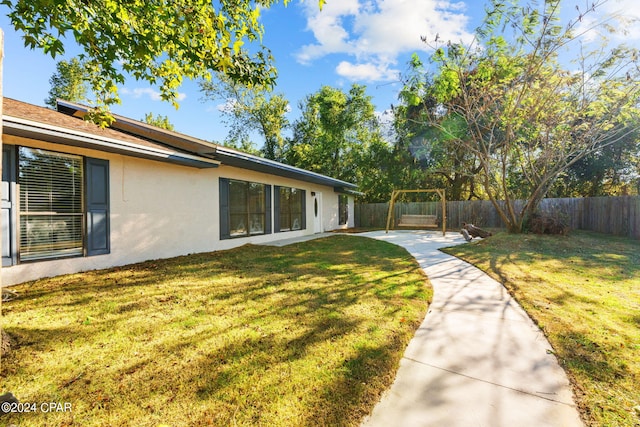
228,106
369,72
376,32
327,27
153,94
622,16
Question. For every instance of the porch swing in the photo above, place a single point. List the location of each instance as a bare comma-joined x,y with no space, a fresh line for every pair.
421,216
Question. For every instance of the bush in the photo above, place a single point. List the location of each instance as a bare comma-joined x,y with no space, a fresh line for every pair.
544,224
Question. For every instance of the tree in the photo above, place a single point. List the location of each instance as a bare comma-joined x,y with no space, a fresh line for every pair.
509,102
160,42
335,133
69,82
378,171
447,164
248,109
158,121
612,171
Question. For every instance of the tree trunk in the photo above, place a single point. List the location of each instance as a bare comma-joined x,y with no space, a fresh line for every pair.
5,343
508,216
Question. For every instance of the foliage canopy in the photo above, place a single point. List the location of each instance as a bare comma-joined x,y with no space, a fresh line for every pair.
339,135
248,109
159,41
158,121
514,106
69,82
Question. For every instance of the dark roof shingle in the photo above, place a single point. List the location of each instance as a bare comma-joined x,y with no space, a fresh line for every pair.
44,115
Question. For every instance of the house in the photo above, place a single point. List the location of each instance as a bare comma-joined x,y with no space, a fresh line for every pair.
78,197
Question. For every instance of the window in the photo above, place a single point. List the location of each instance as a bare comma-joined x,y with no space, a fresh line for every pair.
290,209
343,209
244,208
51,208
63,205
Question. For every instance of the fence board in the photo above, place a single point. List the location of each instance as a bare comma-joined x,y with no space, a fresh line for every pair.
611,215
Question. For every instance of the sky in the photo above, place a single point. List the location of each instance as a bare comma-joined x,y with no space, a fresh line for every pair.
367,42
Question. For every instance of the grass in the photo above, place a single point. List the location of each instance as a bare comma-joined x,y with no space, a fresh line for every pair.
309,334
584,292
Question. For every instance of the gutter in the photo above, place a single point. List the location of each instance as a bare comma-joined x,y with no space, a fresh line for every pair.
41,131
237,158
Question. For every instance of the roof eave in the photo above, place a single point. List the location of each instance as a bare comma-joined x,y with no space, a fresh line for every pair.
225,155
349,191
147,131
49,133
259,164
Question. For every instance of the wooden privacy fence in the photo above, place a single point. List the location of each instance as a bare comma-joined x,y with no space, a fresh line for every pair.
611,215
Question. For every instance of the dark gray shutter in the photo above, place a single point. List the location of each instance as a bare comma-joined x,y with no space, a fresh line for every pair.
97,196
276,208
8,194
224,208
304,209
267,203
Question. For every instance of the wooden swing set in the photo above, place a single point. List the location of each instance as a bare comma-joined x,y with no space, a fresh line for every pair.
418,221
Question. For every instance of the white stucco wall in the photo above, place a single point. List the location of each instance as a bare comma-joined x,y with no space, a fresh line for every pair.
160,210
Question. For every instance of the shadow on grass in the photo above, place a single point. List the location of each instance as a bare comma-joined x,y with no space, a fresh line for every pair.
594,359
310,333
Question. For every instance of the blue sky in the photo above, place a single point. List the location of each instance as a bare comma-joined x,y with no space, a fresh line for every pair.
350,41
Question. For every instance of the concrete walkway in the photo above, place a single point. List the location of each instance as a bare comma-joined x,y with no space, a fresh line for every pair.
477,359
292,240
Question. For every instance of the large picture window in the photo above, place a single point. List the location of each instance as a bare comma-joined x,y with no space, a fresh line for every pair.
290,209
245,208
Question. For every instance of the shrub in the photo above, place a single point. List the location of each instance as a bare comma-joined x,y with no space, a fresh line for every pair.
544,224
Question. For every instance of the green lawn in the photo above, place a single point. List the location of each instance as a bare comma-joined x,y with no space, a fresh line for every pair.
584,292
309,334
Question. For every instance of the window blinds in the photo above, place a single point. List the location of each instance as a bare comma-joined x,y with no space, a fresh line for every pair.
51,204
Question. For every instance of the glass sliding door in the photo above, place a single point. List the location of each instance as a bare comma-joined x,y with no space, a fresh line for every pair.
290,203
